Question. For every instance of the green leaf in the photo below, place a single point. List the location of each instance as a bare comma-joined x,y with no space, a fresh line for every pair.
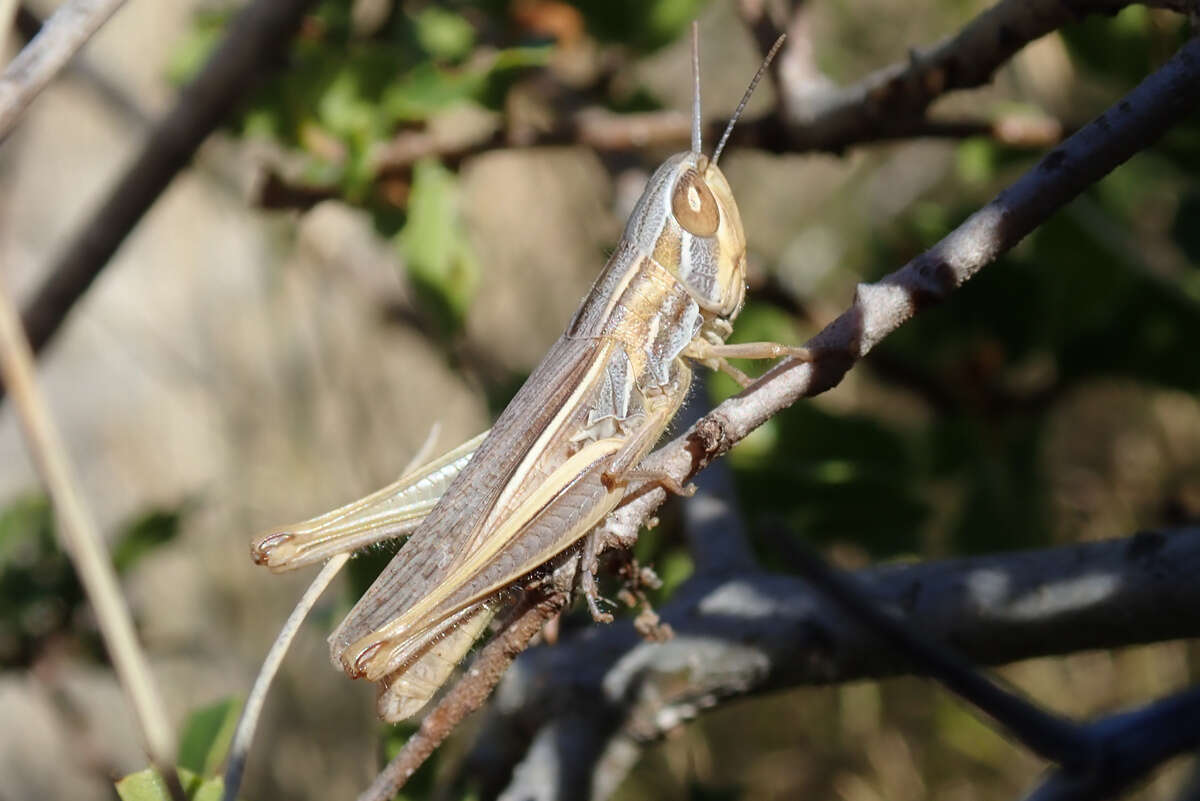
207,734
344,108
147,785
1122,47
444,34
39,592
434,243
674,569
976,161
24,518
152,530
641,24
427,89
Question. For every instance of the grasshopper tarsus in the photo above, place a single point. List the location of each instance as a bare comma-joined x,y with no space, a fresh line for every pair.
598,614
737,375
589,562
667,482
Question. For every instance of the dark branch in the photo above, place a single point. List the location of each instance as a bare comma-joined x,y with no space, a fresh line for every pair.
816,115
598,696
255,42
1096,760
712,523
1047,735
1134,744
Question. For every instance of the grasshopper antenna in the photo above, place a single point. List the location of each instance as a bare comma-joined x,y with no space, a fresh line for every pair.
745,98
695,87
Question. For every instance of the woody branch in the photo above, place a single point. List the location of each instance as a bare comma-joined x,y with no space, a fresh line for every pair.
582,710
812,112
815,114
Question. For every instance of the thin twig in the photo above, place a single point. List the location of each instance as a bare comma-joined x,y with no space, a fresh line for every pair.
467,695
81,540
1046,734
608,131
816,115
597,128
243,736
1133,743
36,65
115,96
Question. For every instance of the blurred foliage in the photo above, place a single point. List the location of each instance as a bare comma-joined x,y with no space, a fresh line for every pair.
147,785
440,263
1125,47
203,746
641,24
207,733
354,81
41,600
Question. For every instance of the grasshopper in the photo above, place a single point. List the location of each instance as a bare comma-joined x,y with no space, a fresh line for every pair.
560,457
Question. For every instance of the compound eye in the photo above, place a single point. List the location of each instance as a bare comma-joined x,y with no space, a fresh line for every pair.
694,206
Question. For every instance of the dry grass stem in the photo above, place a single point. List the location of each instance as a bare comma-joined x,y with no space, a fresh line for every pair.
81,540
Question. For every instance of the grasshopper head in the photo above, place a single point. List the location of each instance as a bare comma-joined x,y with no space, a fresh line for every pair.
688,221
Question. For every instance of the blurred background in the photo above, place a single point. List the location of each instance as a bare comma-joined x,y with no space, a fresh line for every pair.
391,232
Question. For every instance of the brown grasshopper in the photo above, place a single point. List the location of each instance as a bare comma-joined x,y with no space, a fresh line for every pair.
561,456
